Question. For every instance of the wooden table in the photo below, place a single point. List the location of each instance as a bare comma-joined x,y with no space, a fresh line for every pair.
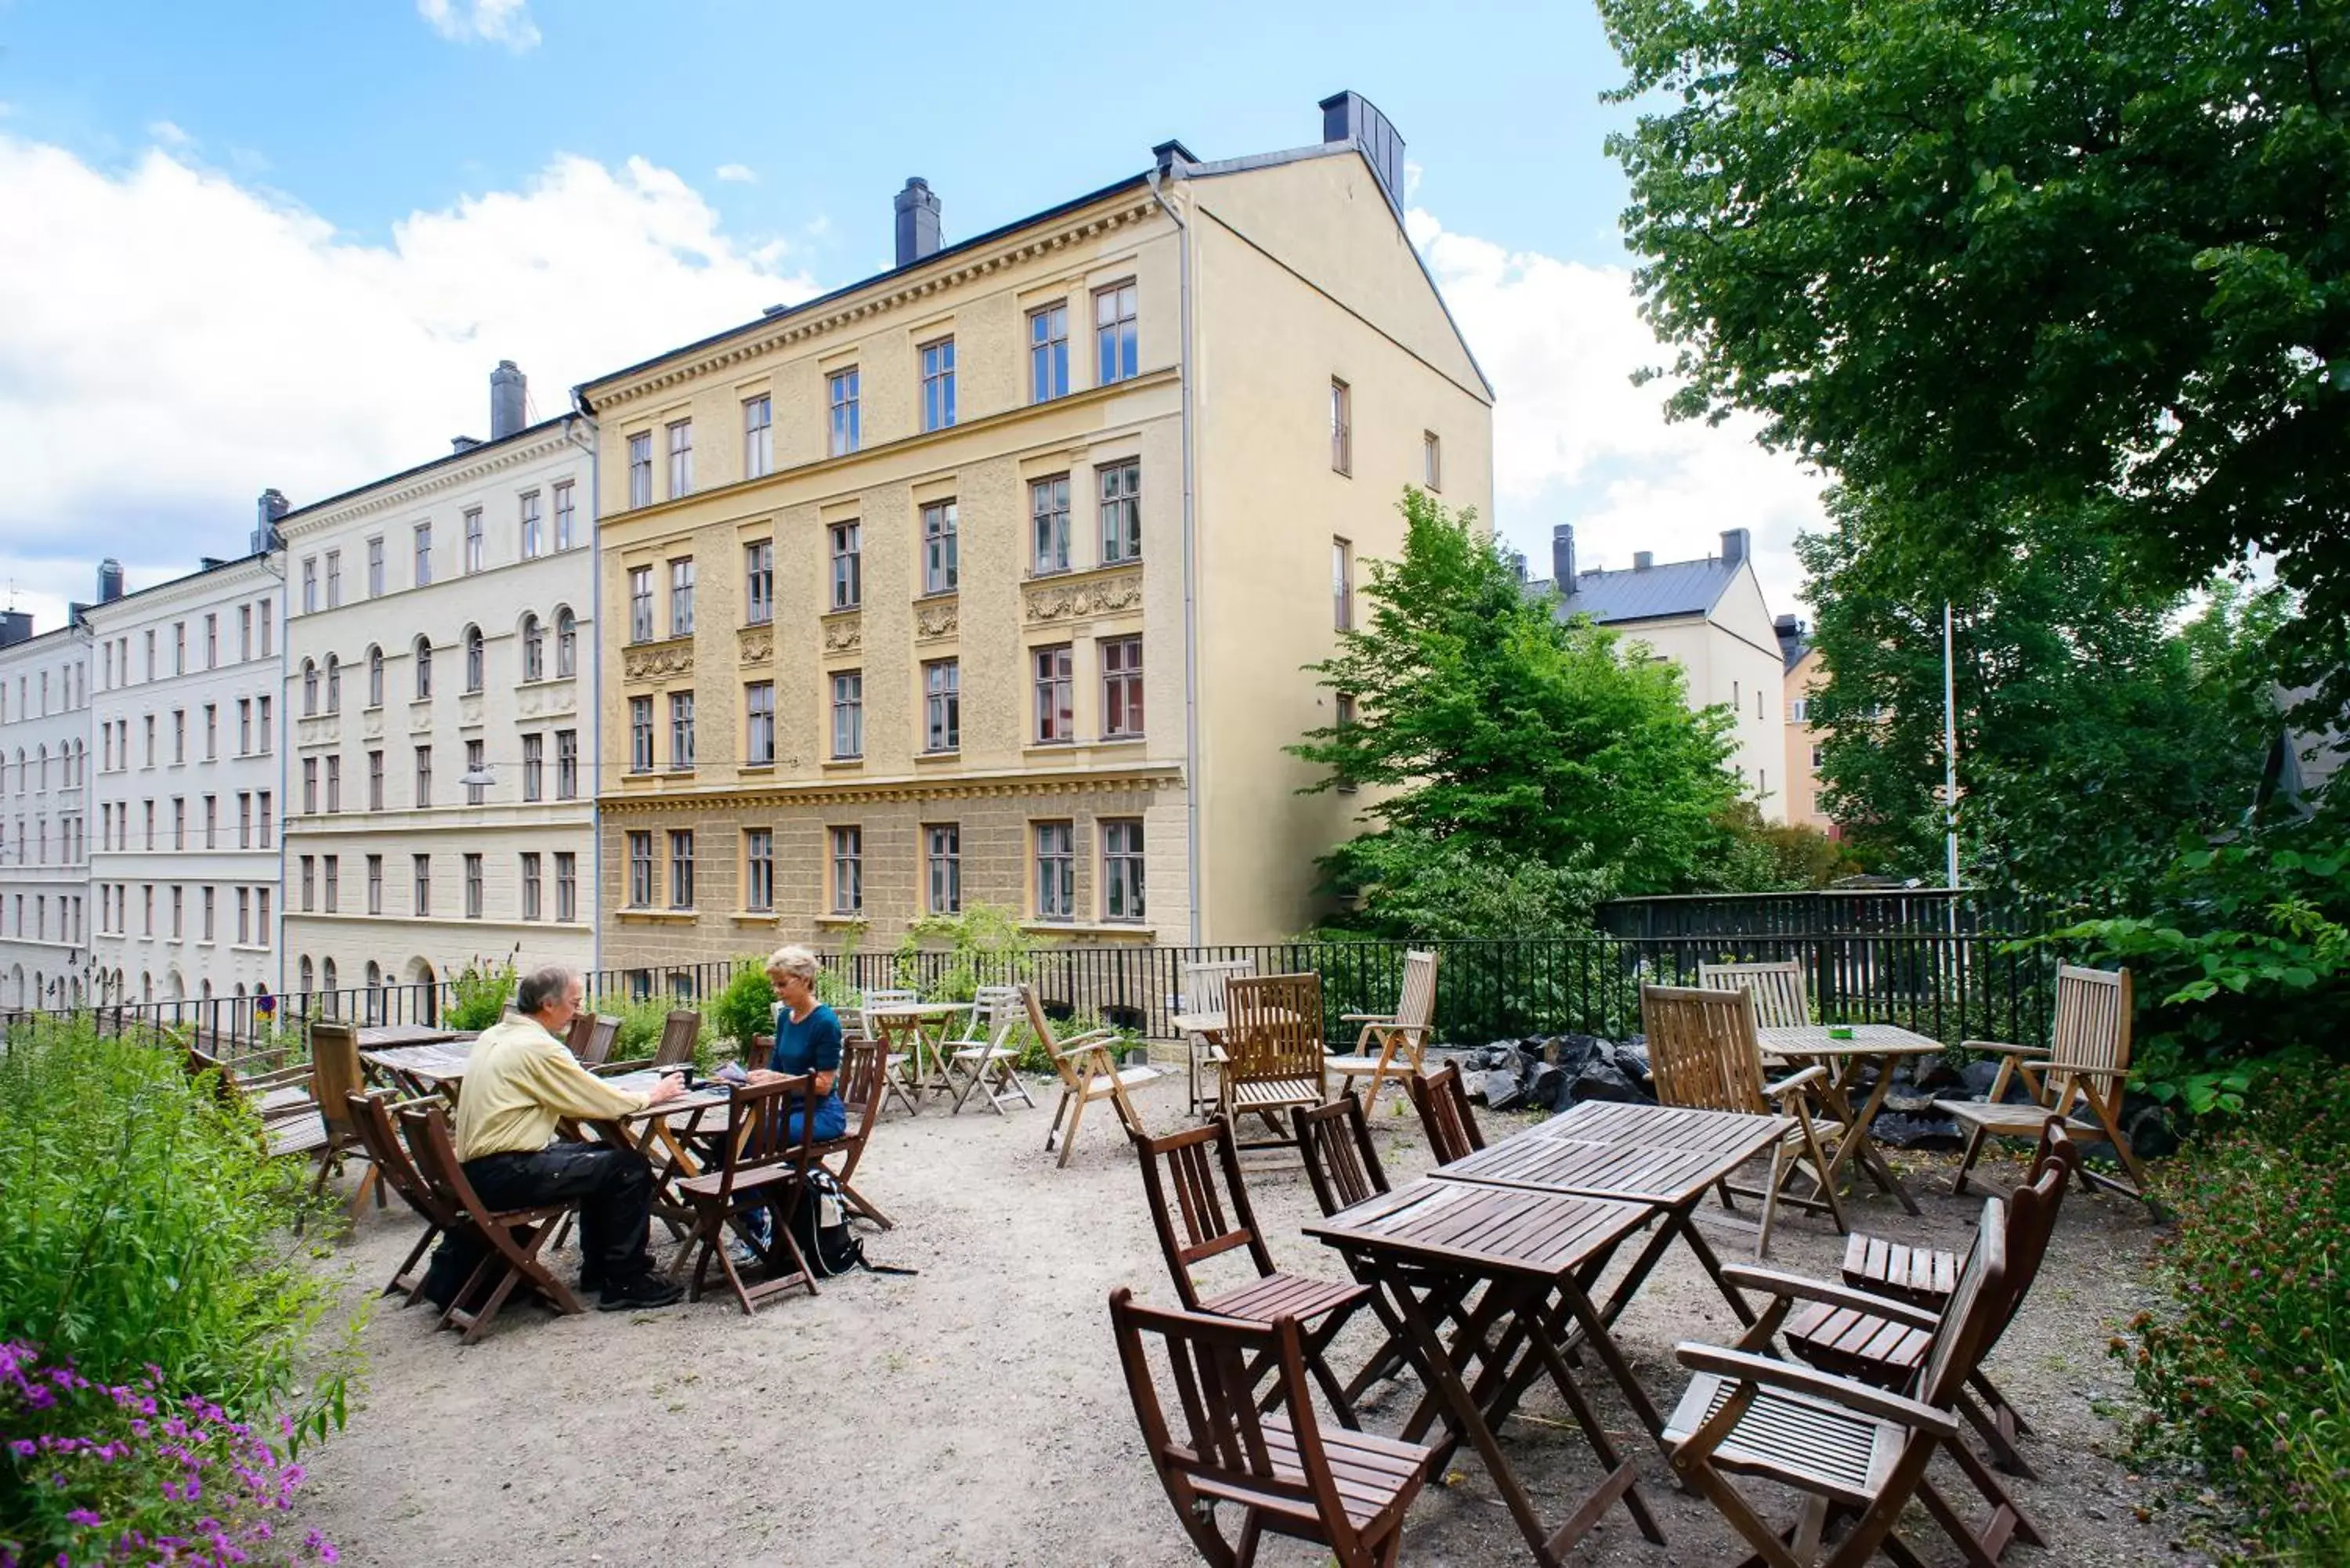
419,1069
383,1036
1878,1043
931,1021
1536,1253
1660,1156
665,1147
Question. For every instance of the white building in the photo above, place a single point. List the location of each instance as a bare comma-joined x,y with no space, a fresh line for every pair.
44,845
440,631
184,869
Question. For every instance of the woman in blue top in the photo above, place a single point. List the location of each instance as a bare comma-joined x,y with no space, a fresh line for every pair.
807,1039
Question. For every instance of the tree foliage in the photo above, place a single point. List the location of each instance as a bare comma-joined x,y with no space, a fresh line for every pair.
2080,257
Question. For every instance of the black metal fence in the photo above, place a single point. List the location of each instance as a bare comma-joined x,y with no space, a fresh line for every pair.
1821,911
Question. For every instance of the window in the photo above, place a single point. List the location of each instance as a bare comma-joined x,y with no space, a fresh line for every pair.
937,384
942,705
1121,512
310,786
1115,344
211,725
473,538
567,884
1819,758
309,973
566,516
1122,870
375,780
268,807
1799,710
309,584
334,684
641,469
847,870
534,768
1344,706
1734,699
1048,520
758,437
1048,352
533,537
475,794
680,869
178,912
530,886
332,868
848,566
476,659
1431,461
420,884
640,604
309,884
944,856
1056,872
209,895
423,669
244,819
533,649
758,868
1341,585
759,583
840,398
641,870
681,730
309,689
640,734
1056,714
759,723
849,713
941,565
243,646
680,597
423,775
334,795
243,732
423,554
566,645
334,598
375,677
473,886
1341,438
681,459
567,765
1121,667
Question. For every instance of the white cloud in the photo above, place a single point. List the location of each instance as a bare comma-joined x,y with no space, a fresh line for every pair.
178,341
504,22
169,135
1574,441
738,173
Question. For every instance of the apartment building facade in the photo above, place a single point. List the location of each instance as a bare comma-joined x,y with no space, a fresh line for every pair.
188,784
991,579
1805,674
44,795
439,695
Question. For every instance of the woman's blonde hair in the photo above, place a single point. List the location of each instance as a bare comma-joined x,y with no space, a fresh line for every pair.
794,960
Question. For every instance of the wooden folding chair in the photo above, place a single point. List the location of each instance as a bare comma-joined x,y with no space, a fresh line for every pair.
512,1239
1273,1056
336,1075
1445,1113
861,1084
1781,1000
1347,1490
1203,1164
591,1038
1704,1053
291,1127
761,1166
984,1057
1088,1074
2079,1080
1858,1452
372,1115
681,1032
1386,1035
1203,992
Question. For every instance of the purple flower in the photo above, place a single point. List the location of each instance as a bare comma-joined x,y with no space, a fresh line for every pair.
84,1518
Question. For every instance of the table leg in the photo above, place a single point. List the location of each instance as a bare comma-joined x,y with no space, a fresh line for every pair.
1855,1142
1682,1222
1594,1333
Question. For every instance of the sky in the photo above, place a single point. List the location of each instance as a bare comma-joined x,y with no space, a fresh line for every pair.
250,245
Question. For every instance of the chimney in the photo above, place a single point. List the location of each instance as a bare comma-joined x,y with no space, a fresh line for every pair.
460,445
1734,547
1351,117
1561,557
1643,559
918,223
15,626
508,400
1169,153
208,563
272,506
109,580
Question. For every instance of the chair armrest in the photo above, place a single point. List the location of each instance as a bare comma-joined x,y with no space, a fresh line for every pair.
1098,1040
1740,1366
1814,1074
1798,1287
2002,1046
613,1069
1367,1018
2059,1068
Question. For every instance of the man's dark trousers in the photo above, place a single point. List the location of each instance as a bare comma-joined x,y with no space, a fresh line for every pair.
613,1188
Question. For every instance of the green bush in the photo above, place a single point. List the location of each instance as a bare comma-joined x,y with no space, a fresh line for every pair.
983,945
481,994
746,1007
2248,1375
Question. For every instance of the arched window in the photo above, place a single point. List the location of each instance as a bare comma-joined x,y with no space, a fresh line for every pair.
534,650
41,777
327,977
309,973
375,676
310,689
334,683
475,657
424,667
566,645
374,993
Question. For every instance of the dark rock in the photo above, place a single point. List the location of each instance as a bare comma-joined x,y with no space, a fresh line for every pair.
1929,1074
1572,1052
1898,1131
1632,1060
1603,1080
1979,1076
2152,1131
1547,1087
1499,1088
1533,1049
1898,1104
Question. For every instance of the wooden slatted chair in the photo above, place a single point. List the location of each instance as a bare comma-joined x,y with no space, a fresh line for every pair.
1780,1000
373,1115
984,1057
513,1238
1855,1451
575,1038
1204,991
680,1034
1445,1113
1346,1491
761,1166
1273,1056
861,1087
1387,1037
593,1043
1209,1214
1088,1074
1704,1053
2078,1080
336,1075
290,1128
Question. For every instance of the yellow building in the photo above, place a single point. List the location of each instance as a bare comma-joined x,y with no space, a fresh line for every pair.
1805,674
991,578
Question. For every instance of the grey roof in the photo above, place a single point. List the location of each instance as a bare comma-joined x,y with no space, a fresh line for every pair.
1657,593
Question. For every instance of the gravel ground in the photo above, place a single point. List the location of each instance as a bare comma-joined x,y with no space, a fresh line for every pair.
974,1413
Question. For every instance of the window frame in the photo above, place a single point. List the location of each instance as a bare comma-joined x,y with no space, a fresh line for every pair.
759,870
848,543
759,436
935,367
679,446
845,845
759,582
1123,871
1048,351
1054,861
1050,552
1057,678
1118,486
942,866
758,724
1342,427
844,420
1123,714
1118,336
942,706
848,691
942,549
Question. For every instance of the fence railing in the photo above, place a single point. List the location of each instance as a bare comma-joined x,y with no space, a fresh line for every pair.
1889,910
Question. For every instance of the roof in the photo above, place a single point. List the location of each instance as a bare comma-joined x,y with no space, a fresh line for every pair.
472,454
182,581
1654,592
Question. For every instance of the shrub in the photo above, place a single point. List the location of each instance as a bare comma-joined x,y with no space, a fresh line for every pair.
744,1008
481,994
983,945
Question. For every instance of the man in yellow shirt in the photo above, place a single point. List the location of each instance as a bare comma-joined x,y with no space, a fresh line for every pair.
520,1080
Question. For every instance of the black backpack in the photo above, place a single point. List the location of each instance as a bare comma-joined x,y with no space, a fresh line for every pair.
821,1227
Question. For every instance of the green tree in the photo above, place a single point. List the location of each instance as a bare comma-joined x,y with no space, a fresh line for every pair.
1485,722
2062,256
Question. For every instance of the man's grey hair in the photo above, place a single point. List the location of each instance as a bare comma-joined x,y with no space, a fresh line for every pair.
542,988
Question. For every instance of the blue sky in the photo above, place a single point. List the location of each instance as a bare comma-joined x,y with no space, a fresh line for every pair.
284,244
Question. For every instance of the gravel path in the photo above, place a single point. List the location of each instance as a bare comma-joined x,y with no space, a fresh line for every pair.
974,1413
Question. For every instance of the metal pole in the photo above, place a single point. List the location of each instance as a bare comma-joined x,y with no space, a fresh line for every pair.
1950,754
